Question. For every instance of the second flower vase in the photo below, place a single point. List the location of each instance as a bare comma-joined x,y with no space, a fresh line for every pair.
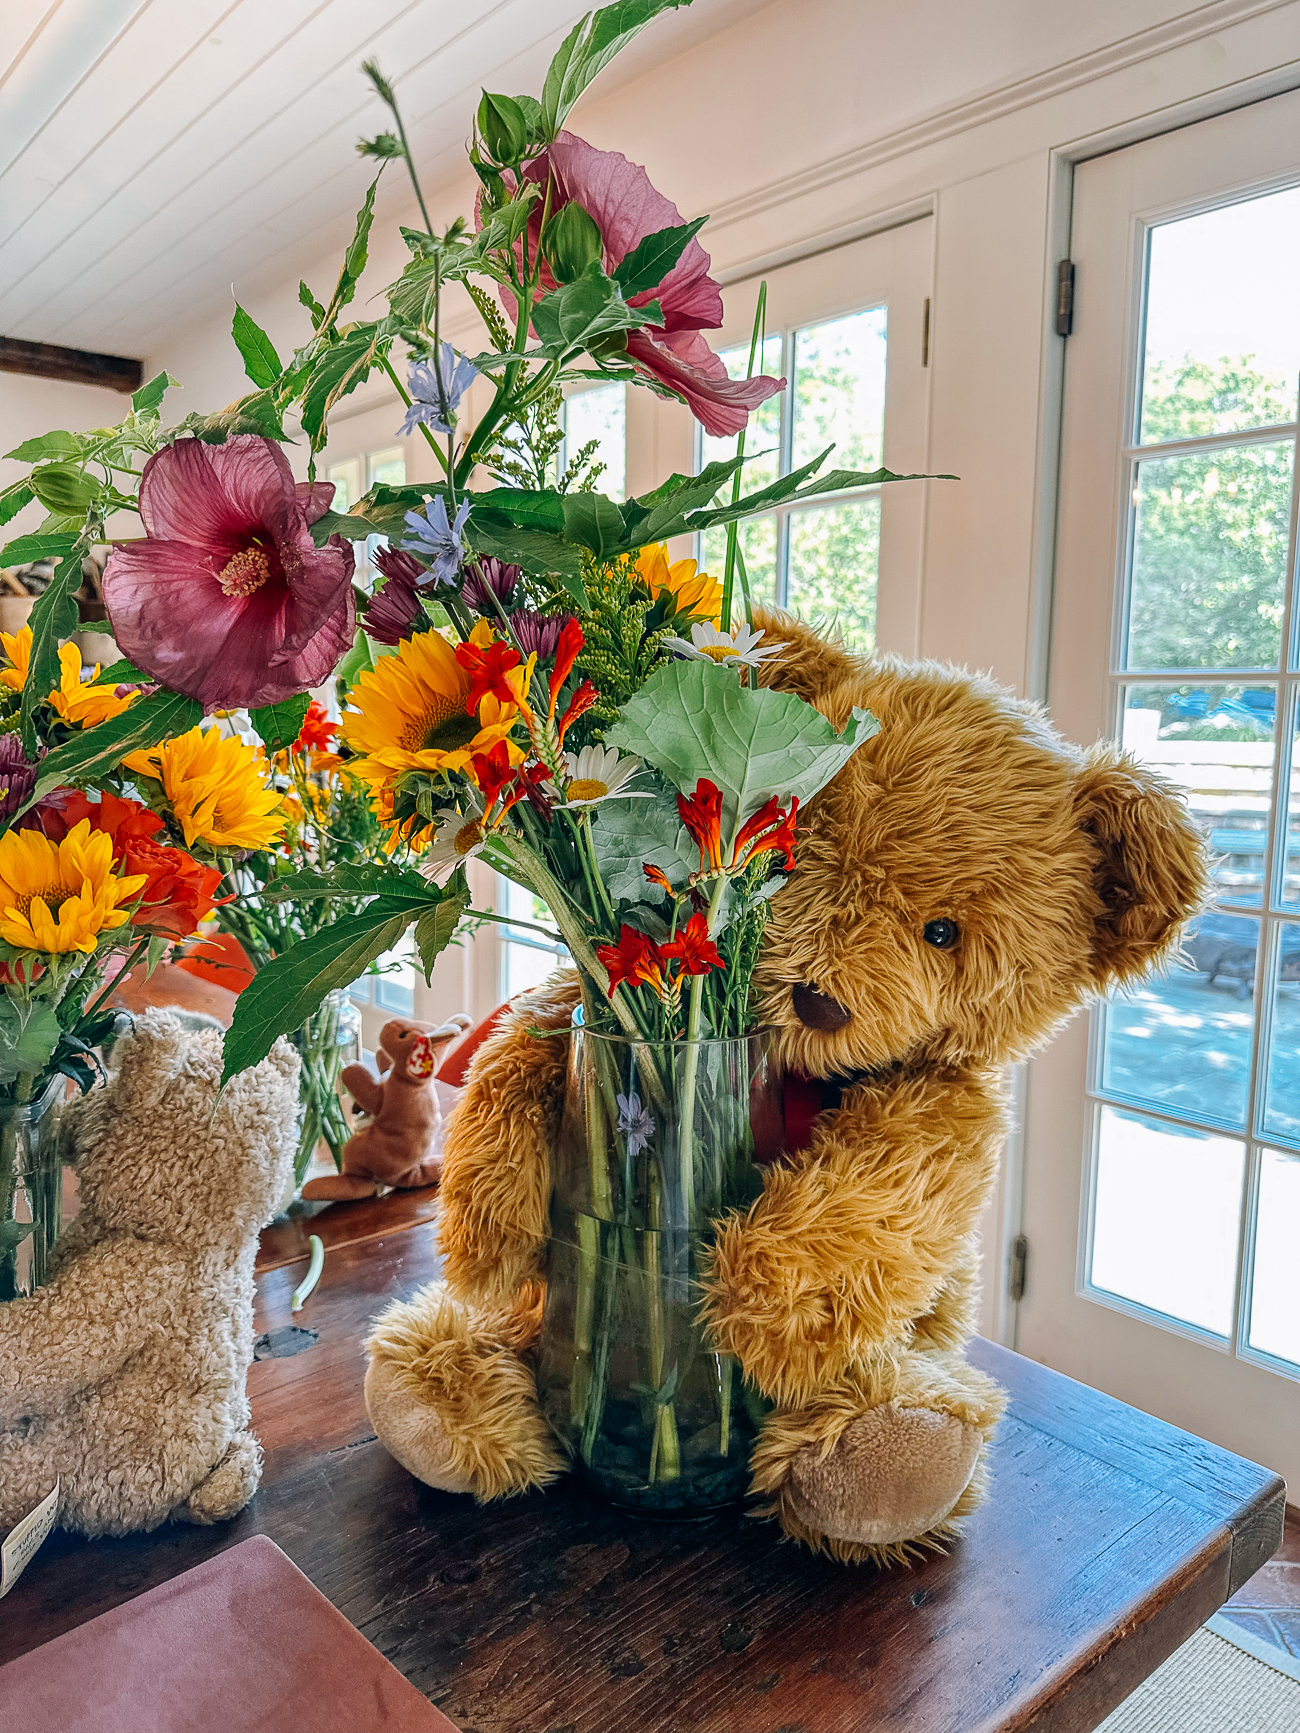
657,1141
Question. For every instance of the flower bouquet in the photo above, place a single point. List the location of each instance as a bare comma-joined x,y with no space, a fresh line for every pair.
539,688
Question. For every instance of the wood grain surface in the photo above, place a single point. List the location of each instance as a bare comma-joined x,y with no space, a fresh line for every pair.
1109,1538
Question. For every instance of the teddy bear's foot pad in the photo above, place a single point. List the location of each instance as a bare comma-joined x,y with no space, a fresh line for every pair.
409,1429
229,1487
894,1475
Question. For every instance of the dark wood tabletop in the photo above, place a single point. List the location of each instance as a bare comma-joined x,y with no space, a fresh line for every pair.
1108,1539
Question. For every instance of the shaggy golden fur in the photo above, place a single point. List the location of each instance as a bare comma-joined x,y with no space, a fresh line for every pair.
847,1289
124,1377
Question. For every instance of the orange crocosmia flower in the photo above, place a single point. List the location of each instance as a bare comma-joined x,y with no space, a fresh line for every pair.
781,839
657,876
493,770
570,643
317,731
701,813
634,958
693,948
496,670
578,705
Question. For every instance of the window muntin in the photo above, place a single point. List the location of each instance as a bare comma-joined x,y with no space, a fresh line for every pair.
1196,1069
820,560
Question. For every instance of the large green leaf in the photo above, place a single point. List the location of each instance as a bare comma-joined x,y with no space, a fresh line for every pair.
588,49
435,928
591,305
97,751
594,522
650,261
23,550
48,446
54,617
283,994
261,363
257,413
694,719
354,260
542,509
339,371
279,725
534,550
629,834
353,879
789,490
27,1037
649,515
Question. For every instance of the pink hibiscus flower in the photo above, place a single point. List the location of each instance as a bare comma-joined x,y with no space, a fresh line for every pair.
618,196
228,599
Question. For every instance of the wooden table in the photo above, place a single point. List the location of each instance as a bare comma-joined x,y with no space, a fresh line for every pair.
1110,1537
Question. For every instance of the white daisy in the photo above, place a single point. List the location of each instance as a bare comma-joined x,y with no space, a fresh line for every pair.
598,773
735,649
453,847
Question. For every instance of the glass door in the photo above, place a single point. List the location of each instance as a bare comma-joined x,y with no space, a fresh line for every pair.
1162,1206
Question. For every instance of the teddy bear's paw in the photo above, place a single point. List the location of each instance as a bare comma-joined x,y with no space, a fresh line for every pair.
409,1429
896,1475
229,1487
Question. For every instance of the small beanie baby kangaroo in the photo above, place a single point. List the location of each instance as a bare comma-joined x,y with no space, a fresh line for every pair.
397,1146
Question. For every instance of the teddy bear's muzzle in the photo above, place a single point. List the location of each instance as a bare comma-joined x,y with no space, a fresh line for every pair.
817,1010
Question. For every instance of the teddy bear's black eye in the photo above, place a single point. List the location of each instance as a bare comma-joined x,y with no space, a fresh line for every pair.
943,935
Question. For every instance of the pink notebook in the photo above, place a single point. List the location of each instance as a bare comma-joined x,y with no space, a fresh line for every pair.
240,1644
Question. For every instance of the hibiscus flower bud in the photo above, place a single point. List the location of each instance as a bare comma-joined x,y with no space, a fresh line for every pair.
503,129
571,242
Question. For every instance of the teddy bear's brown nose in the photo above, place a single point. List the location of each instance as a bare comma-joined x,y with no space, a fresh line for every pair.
817,1009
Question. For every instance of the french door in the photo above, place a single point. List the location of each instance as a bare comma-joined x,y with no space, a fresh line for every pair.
1162,1176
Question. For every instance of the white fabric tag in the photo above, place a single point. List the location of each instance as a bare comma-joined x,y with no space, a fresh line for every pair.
24,1540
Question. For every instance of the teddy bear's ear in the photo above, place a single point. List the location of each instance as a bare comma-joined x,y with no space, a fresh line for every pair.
808,663
1151,872
146,1059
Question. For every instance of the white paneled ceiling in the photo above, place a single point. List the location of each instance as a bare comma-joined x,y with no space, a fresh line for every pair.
153,152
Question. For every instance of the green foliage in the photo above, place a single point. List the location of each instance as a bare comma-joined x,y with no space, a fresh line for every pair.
29,1033
650,261
571,243
436,927
503,129
148,399
694,719
95,753
53,618
588,49
261,363
279,725
572,316
64,487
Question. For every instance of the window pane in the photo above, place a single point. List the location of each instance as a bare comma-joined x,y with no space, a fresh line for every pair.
763,434
1275,1291
1182,1039
839,390
395,989
1166,1220
757,541
599,414
526,958
1222,339
834,556
1291,859
1216,744
1209,559
1282,1097
388,467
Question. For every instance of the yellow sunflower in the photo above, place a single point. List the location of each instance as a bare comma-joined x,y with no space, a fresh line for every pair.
216,787
410,714
18,648
694,593
84,704
61,896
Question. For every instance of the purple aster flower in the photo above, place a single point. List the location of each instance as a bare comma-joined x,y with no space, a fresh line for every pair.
436,538
433,401
485,573
539,632
17,776
392,612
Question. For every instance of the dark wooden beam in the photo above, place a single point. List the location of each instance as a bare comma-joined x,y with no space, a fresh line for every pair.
82,366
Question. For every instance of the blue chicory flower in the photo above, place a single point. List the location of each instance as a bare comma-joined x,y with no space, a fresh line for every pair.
431,405
635,1123
436,539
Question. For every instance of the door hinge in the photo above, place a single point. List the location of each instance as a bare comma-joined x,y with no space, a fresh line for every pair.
1065,298
1017,1269
925,333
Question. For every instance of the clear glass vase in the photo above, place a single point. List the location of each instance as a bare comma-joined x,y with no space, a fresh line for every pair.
657,1141
327,1041
31,1187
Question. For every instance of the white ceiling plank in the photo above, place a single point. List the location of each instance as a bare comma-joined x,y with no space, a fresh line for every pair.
48,74
21,24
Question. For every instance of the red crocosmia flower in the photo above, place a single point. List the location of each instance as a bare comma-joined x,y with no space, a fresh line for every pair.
767,815
487,667
317,731
228,599
780,840
634,958
493,770
178,891
578,705
701,813
693,948
657,876
618,196
566,654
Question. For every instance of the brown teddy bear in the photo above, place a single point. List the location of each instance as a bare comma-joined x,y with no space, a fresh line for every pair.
965,882
398,1145
124,1376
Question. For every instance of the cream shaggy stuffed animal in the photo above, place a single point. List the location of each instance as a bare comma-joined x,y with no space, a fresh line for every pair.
124,1376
